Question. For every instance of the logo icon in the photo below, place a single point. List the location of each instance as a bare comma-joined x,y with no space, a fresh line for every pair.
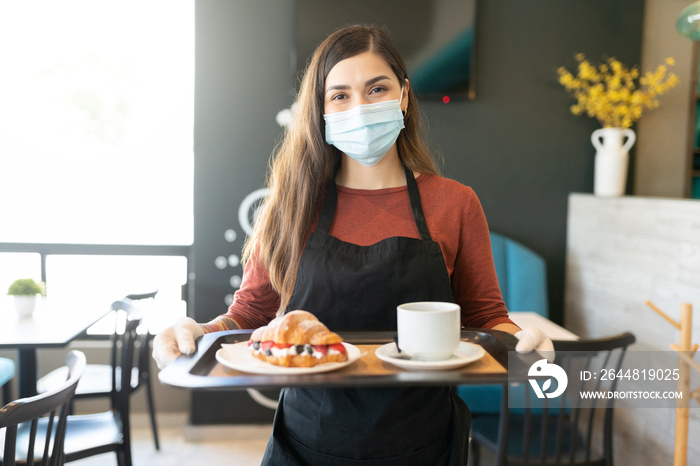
248,210
542,368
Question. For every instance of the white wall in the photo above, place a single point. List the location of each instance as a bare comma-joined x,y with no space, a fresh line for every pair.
620,253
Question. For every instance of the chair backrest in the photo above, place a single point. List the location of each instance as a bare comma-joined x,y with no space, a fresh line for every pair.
522,275
567,429
140,296
143,353
24,414
125,312
126,361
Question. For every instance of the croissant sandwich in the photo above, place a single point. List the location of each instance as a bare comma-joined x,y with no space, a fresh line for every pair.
297,339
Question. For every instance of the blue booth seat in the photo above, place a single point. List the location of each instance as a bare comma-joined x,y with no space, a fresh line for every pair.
7,373
522,277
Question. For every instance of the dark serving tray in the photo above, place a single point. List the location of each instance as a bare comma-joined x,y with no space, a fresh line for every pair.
201,370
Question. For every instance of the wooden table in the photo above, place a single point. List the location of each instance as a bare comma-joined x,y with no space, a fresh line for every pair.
54,324
202,371
533,319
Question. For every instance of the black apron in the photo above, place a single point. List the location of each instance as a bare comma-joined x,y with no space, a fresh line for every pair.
351,287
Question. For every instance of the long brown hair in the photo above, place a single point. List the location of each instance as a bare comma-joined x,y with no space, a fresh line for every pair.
304,163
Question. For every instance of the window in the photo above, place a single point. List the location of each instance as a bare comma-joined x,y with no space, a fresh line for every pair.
96,121
104,279
96,139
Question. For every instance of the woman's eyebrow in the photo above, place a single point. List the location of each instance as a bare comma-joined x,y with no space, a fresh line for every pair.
344,87
377,79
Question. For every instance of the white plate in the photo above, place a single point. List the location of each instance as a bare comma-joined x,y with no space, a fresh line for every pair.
239,357
466,353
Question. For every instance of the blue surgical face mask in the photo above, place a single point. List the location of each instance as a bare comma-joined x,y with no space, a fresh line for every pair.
366,132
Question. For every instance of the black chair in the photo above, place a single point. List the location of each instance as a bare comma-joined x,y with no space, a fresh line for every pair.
142,373
102,380
25,428
94,434
557,431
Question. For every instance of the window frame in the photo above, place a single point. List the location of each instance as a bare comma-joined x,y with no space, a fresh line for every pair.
46,249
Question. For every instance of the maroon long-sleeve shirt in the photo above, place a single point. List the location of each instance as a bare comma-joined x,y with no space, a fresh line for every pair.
456,222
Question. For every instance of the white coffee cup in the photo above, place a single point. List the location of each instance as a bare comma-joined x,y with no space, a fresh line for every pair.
428,330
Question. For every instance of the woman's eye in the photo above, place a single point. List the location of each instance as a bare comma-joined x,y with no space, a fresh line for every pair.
338,97
378,89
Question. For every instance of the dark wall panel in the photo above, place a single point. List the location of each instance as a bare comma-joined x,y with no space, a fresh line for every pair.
517,144
242,80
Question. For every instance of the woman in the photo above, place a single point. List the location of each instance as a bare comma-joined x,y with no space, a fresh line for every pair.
357,222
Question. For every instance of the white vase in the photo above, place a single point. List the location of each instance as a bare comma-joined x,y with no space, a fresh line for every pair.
24,305
611,160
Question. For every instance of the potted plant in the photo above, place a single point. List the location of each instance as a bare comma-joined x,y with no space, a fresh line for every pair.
616,96
25,290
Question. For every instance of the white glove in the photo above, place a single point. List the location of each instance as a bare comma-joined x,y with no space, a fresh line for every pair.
177,339
534,339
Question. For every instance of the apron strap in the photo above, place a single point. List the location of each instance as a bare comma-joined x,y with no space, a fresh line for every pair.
329,205
416,205
328,209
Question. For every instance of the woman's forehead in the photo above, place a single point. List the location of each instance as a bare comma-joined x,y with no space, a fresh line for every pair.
359,68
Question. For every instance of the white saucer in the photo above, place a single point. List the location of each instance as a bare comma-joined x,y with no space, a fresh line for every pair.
466,353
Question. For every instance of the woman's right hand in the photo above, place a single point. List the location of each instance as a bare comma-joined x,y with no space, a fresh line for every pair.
175,340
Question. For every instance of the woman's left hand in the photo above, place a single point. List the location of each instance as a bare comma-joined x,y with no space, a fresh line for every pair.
534,339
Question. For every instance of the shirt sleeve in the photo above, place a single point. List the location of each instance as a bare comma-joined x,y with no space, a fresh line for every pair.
474,281
255,303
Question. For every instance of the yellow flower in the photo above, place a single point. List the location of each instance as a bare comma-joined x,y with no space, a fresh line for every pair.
614,94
